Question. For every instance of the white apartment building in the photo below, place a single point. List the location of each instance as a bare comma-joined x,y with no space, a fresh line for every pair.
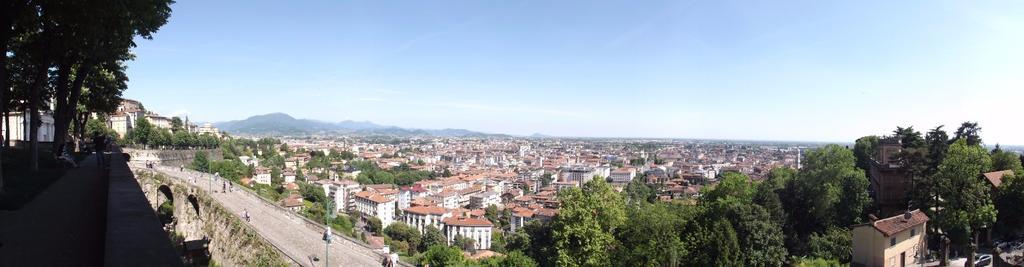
477,229
485,199
262,176
342,192
578,175
422,216
21,131
289,176
448,199
622,175
375,205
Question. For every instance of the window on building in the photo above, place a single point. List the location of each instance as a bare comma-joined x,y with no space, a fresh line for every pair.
892,241
913,232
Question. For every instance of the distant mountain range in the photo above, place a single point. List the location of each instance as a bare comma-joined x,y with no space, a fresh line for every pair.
282,124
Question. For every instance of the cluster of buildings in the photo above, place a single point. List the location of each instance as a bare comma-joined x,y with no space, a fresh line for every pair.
121,121
522,176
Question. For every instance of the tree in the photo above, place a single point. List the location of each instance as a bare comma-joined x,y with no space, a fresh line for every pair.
440,255
828,192
498,242
733,187
865,149
966,206
200,162
713,243
651,237
177,125
464,243
276,178
969,131
924,195
759,236
431,237
513,259
142,132
834,243
585,227
767,193
373,224
312,193
1008,201
638,192
908,137
403,232
1006,160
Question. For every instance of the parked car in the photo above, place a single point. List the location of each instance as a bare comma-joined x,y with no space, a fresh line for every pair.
982,260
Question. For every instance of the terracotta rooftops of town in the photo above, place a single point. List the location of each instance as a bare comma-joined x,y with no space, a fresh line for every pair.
899,223
292,201
463,221
525,213
427,210
996,177
372,197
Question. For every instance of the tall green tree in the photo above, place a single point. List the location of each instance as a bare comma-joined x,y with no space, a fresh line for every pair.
440,255
970,132
1008,201
830,191
587,221
652,236
966,206
431,237
865,149
925,193
201,162
713,243
1006,160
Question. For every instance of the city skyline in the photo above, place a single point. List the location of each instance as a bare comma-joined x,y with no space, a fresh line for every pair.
820,72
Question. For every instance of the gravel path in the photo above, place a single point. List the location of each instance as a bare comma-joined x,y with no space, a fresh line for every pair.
284,229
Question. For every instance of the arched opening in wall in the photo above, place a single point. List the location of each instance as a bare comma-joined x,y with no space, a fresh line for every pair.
166,209
195,205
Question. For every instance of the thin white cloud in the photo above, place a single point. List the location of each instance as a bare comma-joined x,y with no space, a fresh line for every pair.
372,99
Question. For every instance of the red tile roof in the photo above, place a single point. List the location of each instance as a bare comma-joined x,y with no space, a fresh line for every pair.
996,177
899,223
425,210
373,197
474,222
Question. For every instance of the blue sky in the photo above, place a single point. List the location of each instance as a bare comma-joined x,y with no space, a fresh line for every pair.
767,70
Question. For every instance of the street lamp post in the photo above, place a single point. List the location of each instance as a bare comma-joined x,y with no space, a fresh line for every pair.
327,246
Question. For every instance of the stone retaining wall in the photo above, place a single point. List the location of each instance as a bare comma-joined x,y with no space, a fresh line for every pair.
232,242
170,157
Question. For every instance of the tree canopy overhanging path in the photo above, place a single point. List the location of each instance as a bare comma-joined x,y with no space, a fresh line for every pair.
283,229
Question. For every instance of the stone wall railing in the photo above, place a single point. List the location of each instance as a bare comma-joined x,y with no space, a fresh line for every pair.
170,157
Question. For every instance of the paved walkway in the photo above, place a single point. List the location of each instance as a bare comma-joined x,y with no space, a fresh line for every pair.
285,230
65,225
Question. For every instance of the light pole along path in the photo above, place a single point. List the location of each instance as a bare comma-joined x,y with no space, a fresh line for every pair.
284,229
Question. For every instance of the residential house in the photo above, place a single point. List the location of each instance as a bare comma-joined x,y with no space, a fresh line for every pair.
894,241
262,176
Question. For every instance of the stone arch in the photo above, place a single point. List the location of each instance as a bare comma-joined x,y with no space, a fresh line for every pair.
192,199
168,193
165,214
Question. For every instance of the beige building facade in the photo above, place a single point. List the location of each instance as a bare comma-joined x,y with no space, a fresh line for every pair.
892,242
